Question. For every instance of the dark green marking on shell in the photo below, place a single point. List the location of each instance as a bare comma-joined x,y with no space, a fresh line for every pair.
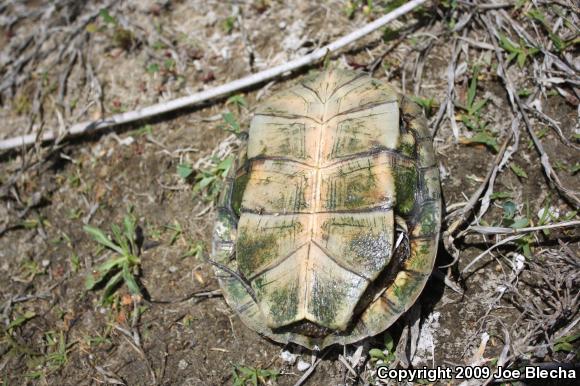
254,250
429,219
328,297
407,145
348,141
405,186
238,192
283,303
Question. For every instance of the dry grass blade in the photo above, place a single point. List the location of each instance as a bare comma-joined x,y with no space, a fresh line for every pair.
484,253
505,231
519,232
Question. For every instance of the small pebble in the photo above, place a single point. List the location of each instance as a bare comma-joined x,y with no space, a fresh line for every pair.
302,366
288,357
182,365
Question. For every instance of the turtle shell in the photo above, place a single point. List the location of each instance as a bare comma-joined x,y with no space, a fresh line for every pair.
327,229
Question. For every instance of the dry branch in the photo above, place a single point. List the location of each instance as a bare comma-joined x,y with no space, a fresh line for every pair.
220,91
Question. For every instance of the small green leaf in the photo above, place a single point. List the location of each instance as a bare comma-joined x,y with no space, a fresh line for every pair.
130,229
520,223
111,286
472,88
21,319
152,68
508,45
509,210
204,182
184,170
500,195
563,346
537,15
106,16
120,238
232,125
130,281
93,279
485,139
225,165
478,106
169,64
100,237
229,24
237,100
518,170
521,59
377,354
110,264
389,342
426,103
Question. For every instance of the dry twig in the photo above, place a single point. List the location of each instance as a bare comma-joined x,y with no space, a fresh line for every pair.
220,91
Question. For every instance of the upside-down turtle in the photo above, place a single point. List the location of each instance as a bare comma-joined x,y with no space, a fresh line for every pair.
328,224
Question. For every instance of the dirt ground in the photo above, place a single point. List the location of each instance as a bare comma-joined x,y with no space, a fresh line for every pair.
63,62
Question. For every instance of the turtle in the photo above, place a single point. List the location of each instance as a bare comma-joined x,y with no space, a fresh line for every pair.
327,224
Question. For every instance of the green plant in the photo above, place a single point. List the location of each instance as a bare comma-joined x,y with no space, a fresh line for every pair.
520,52
58,350
450,7
152,68
20,320
500,195
196,249
184,170
243,376
75,262
386,355
559,44
123,265
237,100
568,343
177,231
229,24
518,170
232,124
472,116
483,138
428,104
209,181
106,16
